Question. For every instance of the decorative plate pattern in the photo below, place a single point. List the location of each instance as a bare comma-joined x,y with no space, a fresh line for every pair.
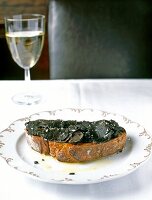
17,154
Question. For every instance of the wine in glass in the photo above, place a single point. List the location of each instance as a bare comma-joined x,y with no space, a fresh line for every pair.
25,38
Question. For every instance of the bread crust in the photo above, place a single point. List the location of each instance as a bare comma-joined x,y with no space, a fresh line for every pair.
74,153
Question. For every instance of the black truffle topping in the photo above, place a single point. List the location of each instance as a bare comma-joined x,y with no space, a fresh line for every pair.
73,131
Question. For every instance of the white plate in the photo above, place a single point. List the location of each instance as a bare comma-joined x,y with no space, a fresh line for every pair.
16,152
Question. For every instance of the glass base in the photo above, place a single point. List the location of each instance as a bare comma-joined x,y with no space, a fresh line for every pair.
26,98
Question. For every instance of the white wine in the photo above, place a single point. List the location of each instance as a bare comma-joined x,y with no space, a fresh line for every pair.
25,37
25,47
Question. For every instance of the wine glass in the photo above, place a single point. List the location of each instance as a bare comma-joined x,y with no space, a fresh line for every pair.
25,38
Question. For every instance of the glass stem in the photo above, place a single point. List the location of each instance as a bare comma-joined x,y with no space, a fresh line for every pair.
27,75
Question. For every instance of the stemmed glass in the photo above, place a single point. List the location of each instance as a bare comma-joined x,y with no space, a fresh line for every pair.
25,38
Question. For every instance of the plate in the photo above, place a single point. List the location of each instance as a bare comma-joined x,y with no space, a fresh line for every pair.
18,155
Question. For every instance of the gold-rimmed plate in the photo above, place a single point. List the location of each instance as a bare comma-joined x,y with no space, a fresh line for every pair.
18,155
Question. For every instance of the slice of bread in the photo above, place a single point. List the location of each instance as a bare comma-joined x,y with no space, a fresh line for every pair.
77,152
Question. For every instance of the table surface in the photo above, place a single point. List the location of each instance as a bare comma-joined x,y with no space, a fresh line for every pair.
129,97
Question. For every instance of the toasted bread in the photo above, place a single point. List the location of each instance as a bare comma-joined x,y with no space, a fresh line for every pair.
79,151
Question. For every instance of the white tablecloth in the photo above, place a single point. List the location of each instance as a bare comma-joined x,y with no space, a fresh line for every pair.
132,98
